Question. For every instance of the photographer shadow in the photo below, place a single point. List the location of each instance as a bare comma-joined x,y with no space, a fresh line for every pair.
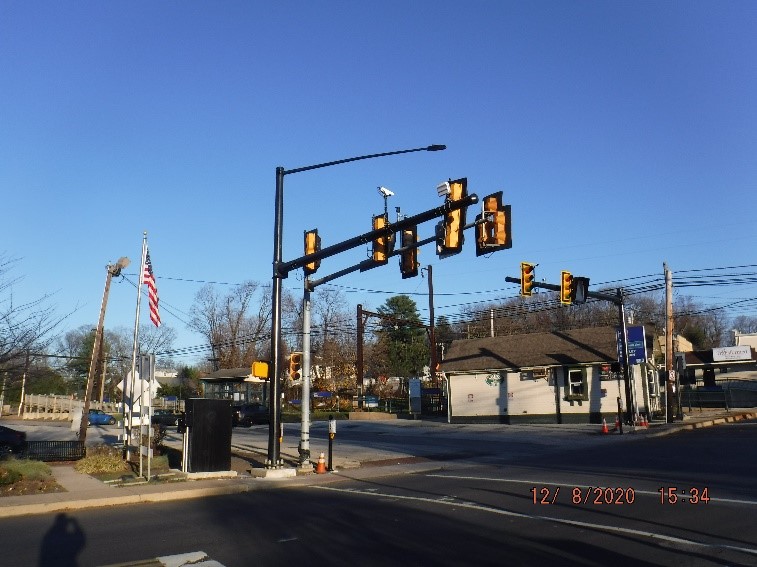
62,543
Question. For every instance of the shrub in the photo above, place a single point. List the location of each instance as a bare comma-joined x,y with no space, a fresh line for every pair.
102,459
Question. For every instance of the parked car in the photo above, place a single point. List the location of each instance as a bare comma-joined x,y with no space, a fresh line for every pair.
99,417
250,414
11,441
164,417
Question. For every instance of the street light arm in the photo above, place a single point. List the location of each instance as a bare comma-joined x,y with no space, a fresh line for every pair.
431,148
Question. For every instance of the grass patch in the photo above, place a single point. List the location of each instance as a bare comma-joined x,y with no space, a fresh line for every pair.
20,477
30,470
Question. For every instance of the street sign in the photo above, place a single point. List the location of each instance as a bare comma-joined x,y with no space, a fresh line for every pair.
636,343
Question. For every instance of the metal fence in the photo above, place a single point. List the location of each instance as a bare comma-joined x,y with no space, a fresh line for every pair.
726,394
52,451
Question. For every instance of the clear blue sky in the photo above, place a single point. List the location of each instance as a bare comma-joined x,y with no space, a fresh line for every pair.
623,134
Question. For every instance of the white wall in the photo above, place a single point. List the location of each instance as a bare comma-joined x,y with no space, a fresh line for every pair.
478,394
485,394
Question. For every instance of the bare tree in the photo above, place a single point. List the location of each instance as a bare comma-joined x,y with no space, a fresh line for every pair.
335,336
745,324
236,325
23,327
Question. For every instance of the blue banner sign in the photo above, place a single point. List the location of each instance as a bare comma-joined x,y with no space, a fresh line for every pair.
637,345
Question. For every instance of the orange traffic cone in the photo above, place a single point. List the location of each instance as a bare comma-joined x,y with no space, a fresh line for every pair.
605,431
644,422
617,424
321,468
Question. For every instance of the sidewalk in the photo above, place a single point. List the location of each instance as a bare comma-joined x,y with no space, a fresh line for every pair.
83,491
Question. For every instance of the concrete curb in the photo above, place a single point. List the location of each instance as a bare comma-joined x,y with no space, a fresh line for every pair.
105,501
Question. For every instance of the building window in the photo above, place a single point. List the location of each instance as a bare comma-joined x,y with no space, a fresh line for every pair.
576,387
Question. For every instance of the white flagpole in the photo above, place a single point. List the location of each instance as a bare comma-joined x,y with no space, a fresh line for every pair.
135,346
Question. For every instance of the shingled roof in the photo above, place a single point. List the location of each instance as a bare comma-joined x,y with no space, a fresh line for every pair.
579,346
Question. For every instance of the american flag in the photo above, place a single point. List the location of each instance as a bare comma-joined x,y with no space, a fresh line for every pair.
149,278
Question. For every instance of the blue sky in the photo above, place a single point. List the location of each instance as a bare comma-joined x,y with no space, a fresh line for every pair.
623,134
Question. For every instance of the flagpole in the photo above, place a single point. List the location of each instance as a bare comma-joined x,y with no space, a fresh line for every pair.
128,436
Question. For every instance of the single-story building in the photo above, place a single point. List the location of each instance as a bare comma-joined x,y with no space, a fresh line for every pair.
558,377
235,384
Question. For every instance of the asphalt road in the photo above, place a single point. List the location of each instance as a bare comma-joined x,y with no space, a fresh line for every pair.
542,507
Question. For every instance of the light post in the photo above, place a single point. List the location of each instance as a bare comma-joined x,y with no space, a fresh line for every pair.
274,445
113,270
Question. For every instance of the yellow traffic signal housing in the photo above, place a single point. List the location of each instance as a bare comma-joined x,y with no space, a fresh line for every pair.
295,366
493,228
527,274
260,369
381,243
409,258
312,245
566,288
450,235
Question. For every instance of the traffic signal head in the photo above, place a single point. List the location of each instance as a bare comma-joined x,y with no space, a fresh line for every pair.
493,228
450,241
409,258
381,243
580,290
566,288
312,245
527,273
295,366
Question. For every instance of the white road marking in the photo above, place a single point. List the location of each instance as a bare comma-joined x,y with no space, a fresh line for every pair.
550,483
613,529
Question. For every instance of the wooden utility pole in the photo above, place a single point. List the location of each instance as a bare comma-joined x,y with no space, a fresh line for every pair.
113,270
669,355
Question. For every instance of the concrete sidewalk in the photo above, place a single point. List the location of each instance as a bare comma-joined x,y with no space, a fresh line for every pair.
83,491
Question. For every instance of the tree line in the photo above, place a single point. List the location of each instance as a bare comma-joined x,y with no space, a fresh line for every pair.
235,327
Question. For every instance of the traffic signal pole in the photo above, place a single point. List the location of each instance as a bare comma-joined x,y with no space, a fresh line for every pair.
280,271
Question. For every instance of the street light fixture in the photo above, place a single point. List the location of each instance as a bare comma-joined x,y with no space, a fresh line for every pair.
274,444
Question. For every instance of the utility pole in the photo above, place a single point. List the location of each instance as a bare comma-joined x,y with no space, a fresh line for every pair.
103,367
359,353
432,333
669,356
113,270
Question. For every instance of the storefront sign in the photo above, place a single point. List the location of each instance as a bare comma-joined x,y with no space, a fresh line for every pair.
731,353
